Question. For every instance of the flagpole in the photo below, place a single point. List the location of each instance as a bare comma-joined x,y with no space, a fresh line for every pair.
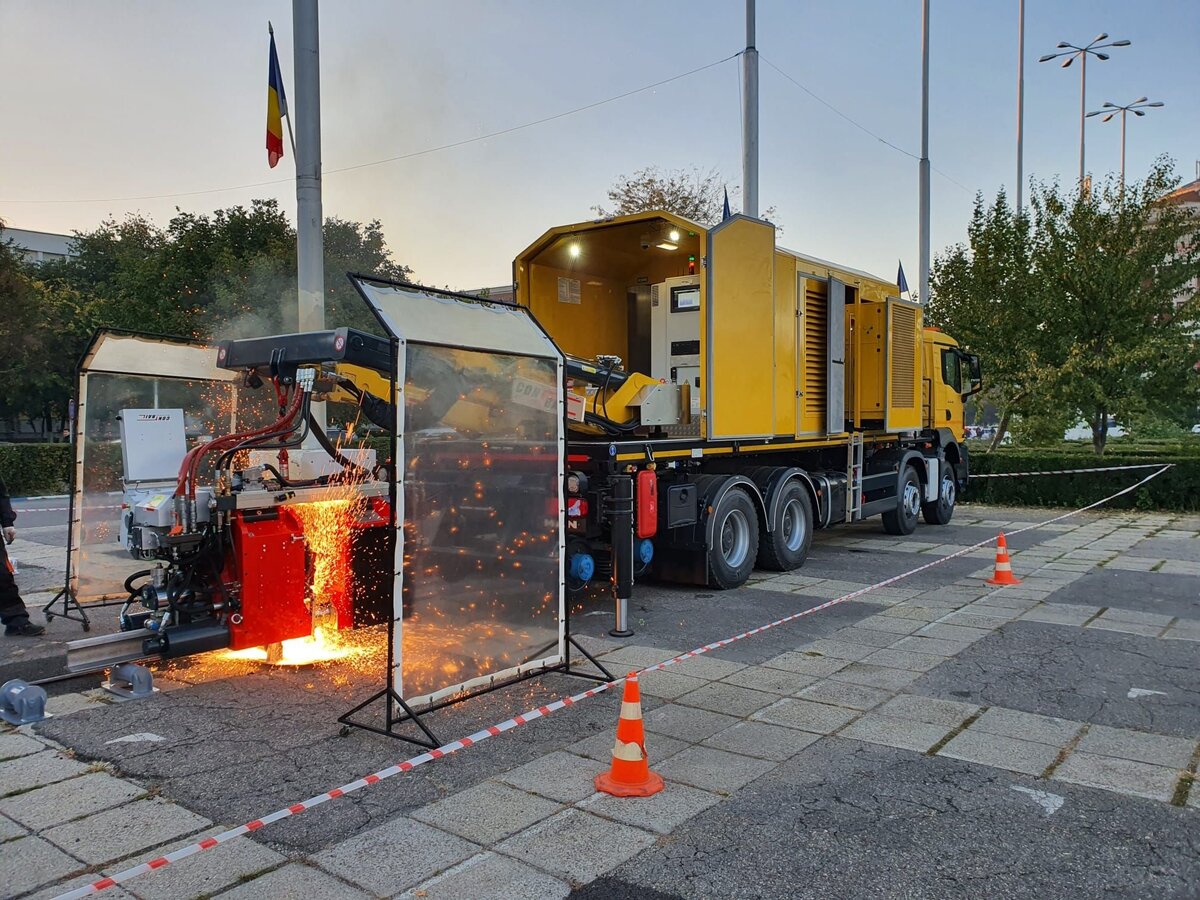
286,115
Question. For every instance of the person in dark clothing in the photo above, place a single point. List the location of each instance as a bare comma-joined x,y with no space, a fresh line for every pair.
13,613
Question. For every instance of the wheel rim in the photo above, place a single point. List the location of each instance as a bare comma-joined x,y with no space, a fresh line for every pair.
735,538
948,490
792,525
912,499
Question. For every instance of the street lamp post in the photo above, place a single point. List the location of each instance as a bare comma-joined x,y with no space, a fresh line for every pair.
1071,52
1138,107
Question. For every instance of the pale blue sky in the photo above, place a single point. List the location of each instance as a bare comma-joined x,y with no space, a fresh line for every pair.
106,99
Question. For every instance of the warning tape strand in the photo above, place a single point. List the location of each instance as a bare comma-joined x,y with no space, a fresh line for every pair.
531,715
1087,470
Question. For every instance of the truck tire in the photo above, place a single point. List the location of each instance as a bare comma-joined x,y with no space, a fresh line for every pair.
903,519
786,547
734,544
941,510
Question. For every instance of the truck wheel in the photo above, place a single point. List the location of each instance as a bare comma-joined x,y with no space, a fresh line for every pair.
734,540
786,547
903,519
941,510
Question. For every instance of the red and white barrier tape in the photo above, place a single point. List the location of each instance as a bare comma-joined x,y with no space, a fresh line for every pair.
1084,471
527,717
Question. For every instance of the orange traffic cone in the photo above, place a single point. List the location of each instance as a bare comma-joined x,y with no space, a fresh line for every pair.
1003,573
630,775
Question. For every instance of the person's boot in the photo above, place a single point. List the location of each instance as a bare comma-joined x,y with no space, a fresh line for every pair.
23,628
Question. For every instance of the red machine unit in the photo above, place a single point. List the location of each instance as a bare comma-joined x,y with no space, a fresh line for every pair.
269,551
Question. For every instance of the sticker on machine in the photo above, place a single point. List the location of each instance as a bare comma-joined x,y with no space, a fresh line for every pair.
534,394
568,290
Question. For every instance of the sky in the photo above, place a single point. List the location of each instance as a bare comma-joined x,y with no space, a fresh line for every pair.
105,101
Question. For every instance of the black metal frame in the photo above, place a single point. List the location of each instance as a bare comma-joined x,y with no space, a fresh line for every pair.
393,702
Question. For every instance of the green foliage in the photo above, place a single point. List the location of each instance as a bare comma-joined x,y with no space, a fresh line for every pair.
228,274
691,193
1176,489
1082,311
35,468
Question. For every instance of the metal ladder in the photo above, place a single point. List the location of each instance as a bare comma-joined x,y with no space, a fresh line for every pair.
854,472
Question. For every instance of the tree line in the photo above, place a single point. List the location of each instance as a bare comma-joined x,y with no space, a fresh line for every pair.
231,273
1082,307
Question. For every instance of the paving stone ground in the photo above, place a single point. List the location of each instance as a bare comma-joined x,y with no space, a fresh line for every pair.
935,738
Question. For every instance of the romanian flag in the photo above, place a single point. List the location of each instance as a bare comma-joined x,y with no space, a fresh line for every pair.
276,108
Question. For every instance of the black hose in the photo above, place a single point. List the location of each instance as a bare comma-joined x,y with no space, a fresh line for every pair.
129,581
327,446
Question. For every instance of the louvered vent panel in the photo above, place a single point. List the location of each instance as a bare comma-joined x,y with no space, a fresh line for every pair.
816,334
904,349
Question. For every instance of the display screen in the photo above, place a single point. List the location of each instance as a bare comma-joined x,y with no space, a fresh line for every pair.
684,299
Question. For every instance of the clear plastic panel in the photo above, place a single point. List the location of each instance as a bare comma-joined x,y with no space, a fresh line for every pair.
482,506
210,408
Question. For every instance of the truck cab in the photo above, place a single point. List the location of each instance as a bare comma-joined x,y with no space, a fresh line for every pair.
951,376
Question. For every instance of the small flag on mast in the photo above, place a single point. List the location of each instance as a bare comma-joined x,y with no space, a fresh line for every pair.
725,213
276,106
901,281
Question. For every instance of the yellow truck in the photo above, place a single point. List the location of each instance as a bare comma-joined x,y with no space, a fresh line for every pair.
728,396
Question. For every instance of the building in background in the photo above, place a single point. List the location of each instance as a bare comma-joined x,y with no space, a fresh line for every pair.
1188,195
39,246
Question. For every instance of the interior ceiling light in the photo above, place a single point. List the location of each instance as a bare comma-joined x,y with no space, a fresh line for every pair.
573,249
667,245
674,235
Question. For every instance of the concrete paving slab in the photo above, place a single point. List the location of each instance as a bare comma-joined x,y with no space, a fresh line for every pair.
931,645
1000,752
713,770
57,889
1183,630
294,881
950,632
834,649
667,684
805,664
806,715
116,833
774,681
661,813
761,740
890,624
868,637
30,862
599,747
1155,592
577,845
729,699
1136,616
686,722
903,734
10,830
394,856
490,875
905,659
1103,624
708,667
486,813
63,801
1025,726
1061,613
876,676
917,708
636,656
1122,743
1123,776
14,744
207,873
560,776
37,769
846,694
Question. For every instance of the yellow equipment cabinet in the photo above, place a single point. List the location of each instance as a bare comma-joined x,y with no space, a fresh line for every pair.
760,391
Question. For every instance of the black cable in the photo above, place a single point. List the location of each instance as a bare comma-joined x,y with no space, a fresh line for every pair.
323,440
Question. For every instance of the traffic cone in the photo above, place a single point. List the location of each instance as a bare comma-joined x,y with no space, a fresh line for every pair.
1003,573
630,775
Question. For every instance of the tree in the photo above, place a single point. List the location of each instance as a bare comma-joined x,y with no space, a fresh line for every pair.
986,294
691,193
1117,261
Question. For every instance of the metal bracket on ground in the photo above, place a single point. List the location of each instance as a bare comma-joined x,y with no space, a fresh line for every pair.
131,681
22,703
